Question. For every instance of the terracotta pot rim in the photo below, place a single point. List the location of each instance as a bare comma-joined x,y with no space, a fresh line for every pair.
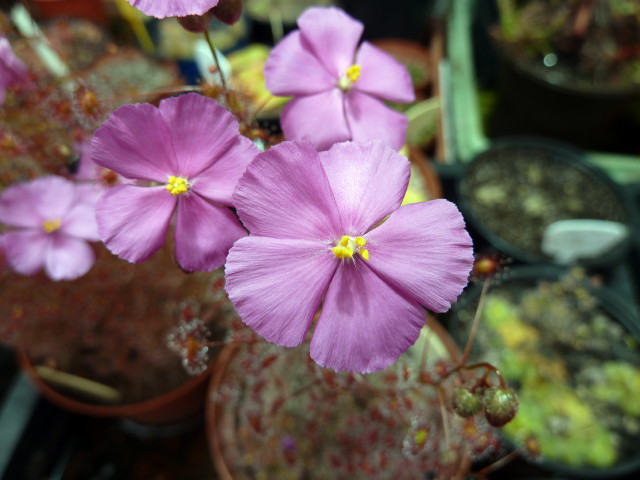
129,410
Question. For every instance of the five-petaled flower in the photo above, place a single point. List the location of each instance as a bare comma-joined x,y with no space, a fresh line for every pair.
52,222
337,87
13,72
191,152
328,228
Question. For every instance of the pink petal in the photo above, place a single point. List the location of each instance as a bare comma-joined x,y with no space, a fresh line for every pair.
201,130
383,76
368,180
81,222
277,285
218,182
68,258
332,36
365,324
370,119
136,143
133,221
89,192
424,250
317,118
25,250
18,206
13,72
292,69
284,193
173,8
31,203
204,233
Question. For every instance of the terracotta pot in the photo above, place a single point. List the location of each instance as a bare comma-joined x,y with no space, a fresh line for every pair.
179,405
230,436
430,181
88,9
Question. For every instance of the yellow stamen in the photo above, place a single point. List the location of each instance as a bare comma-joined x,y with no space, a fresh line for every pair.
51,226
347,246
350,77
177,185
420,437
353,73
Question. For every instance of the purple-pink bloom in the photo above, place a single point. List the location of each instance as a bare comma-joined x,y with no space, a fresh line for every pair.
13,72
327,228
191,155
337,88
173,8
51,224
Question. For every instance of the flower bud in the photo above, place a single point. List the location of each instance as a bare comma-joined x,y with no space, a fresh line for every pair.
195,23
465,402
228,11
500,406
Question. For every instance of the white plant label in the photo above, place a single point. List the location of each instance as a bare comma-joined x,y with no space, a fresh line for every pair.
569,240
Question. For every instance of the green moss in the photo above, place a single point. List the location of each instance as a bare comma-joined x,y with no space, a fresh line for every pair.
620,386
564,426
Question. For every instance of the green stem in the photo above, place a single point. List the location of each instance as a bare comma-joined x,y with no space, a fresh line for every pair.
476,321
507,12
223,81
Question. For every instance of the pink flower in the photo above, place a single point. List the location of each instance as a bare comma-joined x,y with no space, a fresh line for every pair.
173,8
52,224
337,87
12,71
320,234
190,150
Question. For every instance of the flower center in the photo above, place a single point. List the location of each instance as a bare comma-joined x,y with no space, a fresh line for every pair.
347,246
51,226
177,185
350,77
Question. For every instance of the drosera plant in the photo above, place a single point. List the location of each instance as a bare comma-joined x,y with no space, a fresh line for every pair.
115,315
430,413
316,246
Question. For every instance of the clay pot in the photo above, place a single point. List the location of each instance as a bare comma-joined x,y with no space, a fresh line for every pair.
89,9
179,405
260,414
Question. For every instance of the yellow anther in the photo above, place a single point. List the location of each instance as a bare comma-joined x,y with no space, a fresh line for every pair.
342,252
353,73
420,437
177,185
51,226
347,246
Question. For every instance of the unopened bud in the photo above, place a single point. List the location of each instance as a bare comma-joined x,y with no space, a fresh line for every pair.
465,402
500,406
228,11
195,23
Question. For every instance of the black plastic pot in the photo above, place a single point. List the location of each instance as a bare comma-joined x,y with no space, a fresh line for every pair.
535,182
530,104
617,308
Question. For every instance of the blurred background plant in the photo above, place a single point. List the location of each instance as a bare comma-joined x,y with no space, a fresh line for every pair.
584,43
